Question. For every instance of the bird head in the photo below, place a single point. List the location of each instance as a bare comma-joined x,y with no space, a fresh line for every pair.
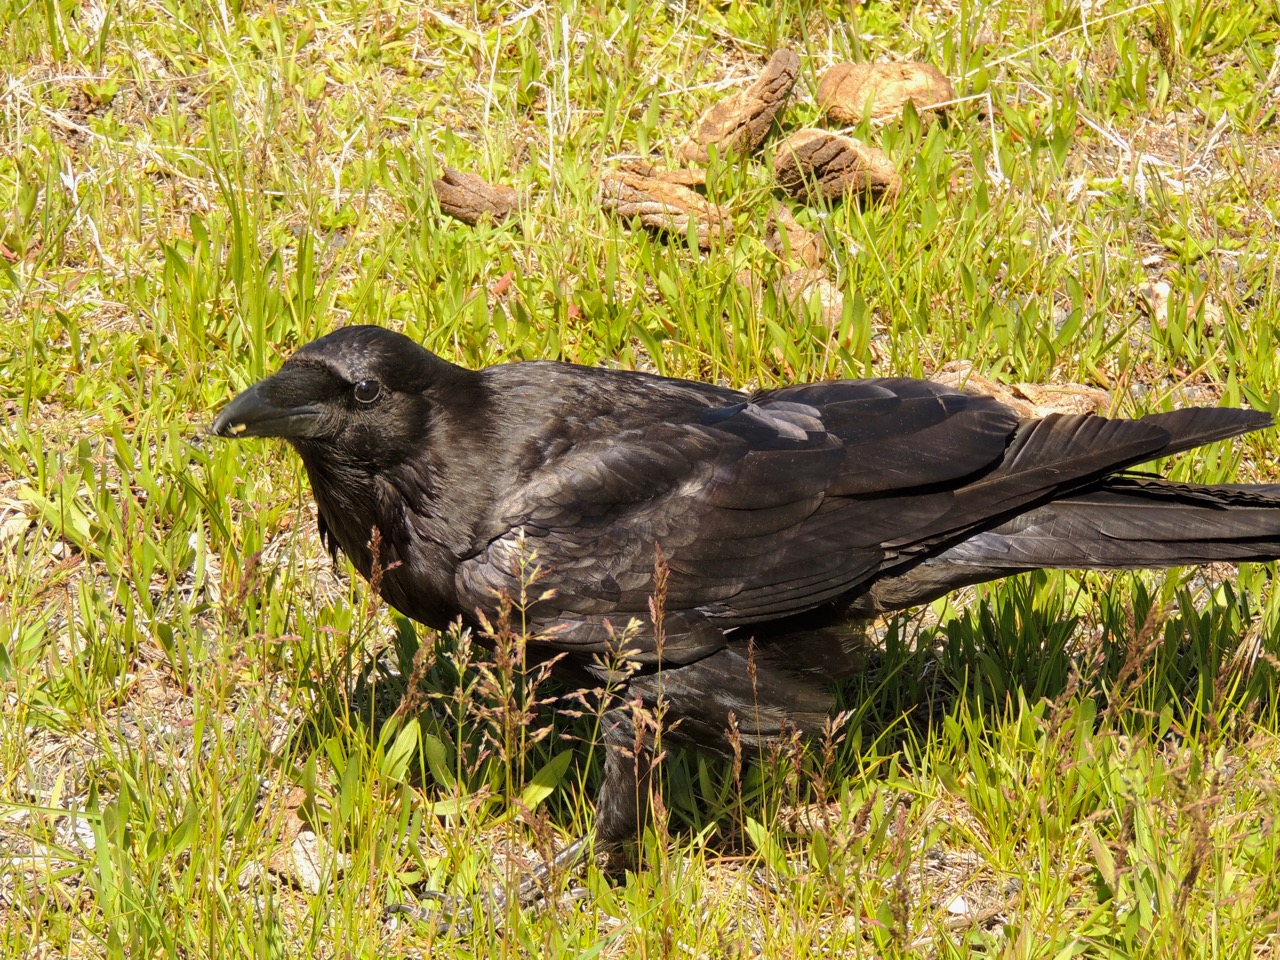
361,395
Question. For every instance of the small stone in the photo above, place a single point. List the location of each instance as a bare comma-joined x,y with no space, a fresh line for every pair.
15,520
1154,298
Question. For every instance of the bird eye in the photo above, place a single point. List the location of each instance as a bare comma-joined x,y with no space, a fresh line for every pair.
367,391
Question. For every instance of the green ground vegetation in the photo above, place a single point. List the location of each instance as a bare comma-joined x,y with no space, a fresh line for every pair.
200,749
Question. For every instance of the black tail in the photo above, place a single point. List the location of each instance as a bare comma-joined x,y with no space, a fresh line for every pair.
1060,454
1132,523
1120,523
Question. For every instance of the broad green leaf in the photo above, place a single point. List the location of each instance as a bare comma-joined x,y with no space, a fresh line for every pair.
546,780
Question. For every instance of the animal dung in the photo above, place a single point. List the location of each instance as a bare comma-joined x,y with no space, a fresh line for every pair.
852,92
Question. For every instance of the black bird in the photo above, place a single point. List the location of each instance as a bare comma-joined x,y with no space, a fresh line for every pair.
782,516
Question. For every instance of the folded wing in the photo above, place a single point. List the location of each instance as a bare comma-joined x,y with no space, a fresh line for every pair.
768,506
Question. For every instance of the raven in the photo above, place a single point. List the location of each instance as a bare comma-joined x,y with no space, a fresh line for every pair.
781,516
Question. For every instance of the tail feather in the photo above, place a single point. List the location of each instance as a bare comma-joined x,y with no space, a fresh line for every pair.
1052,457
1132,523
1122,523
1195,426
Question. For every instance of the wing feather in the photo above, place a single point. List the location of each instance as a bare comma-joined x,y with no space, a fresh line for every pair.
770,505
749,502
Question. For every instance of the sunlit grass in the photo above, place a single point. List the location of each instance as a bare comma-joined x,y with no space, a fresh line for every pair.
199,749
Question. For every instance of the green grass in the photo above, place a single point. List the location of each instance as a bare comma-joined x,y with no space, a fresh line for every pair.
199,749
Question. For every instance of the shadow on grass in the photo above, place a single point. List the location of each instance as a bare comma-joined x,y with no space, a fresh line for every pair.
1167,664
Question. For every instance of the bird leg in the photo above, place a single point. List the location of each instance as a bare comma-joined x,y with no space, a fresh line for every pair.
622,806
458,916
621,811
756,697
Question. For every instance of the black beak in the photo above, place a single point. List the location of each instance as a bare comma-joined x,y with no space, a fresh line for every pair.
252,414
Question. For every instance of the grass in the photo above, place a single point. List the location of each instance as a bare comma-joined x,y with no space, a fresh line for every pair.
199,749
